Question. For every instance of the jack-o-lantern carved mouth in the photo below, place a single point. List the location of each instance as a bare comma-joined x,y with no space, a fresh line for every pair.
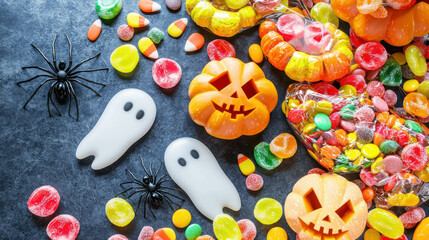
230,109
321,233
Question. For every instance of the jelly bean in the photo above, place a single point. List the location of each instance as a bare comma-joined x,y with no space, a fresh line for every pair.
316,171
290,26
265,158
422,230
177,27
63,227
403,200
316,38
411,85
156,35
413,126
365,134
147,47
357,81
108,9
181,218
225,228
416,61
412,217
204,237
390,74
166,73
368,194
219,49
193,231
348,126
284,145
378,139
347,112
407,73
119,212
389,147
424,88
245,164
125,58
372,74
347,91
371,55
149,6
416,104
370,151
173,4
386,223
268,211
255,53
254,182
146,233
375,88
335,119
371,234
125,32
94,31
399,57
322,122
247,228
296,115
118,237
322,12
414,157
136,20
390,98
164,234
392,164
194,43
277,233
325,88
380,104
423,174
364,114
43,201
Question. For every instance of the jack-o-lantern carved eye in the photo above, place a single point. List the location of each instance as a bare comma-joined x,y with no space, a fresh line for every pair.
221,82
250,89
346,211
311,201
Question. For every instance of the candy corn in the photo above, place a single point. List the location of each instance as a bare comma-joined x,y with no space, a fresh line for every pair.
136,20
147,47
246,165
178,27
149,6
194,42
95,30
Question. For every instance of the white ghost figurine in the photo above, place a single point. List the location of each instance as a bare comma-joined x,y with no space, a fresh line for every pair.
128,117
194,168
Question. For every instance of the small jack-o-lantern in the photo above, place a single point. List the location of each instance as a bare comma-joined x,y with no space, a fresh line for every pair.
326,207
230,98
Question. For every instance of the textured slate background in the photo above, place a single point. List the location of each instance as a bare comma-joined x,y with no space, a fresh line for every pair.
36,150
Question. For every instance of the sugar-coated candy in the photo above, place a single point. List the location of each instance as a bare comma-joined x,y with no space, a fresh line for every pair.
108,9
371,234
195,42
322,12
364,114
390,74
166,73
375,88
392,164
268,211
389,147
148,48
255,53
63,227
370,151
119,212
149,6
193,231
246,165
43,201
390,97
284,145
173,4
413,126
136,20
371,55
225,228
265,158
355,40
125,58
407,73
254,182
290,26
424,88
415,60
219,49
125,32
412,217
316,171
414,157
205,237
380,104
146,233
386,223
94,31
316,38
181,218
247,228
164,234
365,134
322,122
177,27
347,112
357,81
416,104
118,237
156,35
410,85
422,230
277,233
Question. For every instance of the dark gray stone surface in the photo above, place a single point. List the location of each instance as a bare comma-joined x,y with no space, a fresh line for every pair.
36,150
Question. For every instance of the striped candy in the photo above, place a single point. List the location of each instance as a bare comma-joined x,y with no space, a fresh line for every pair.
246,165
147,47
164,234
149,6
95,30
136,20
178,27
194,42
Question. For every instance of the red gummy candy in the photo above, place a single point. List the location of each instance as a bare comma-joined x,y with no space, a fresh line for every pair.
390,97
125,32
367,177
63,227
357,81
44,201
290,26
166,73
325,89
412,217
247,228
391,183
118,237
146,233
375,88
316,38
296,115
316,171
254,182
264,6
414,157
355,40
371,55
364,114
219,49
403,237
335,118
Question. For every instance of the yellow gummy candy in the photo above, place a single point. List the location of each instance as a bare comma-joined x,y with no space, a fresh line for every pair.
125,58
403,200
400,58
277,233
181,218
423,174
371,234
225,228
268,211
119,212
297,67
386,223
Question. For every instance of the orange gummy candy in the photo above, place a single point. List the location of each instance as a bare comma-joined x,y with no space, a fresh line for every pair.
416,104
331,152
284,145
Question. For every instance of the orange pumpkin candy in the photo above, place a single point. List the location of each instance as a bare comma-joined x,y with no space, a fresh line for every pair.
326,207
230,98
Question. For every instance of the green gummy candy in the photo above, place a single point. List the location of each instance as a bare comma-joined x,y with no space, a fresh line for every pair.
322,122
389,147
424,88
413,126
322,12
156,35
391,74
193,231
108,9
265,158
348,111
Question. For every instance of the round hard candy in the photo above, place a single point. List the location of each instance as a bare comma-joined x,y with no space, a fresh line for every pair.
181,218
166,73
119,212
43,201
125,58
265,158
63,227
268,211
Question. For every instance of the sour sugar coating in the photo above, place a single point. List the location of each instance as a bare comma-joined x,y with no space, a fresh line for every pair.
181,218
63,227
375,88
268,211
108,9
156,35
43,201
265,158
284,145
146,233
416,104
194,43
125,58
278,233
390,74
364,114
247,228
290,26
390,97
414,157
371,55
118,237
316,38
225,228
193,231
125,32
412,217
365,133
219,49
246,165
119,212
254,182
166,73
164,234
177,27
357,81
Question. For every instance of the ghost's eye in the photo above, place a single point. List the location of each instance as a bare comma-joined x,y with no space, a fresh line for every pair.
312,201
128,106
140,114
250,89
346,211
221,82
195,154
182,162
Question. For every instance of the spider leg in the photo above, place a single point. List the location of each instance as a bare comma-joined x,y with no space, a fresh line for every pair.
43,69
150,208
157,171
171,195
166,180
31,79
52,101
140,200
84,61
70,99
144,190
89,70
131,188
75,100
144,205
37,89
163,176
70,54
89,81
174,189
54,54
168,200
138,183
83,84
132,175
141,159
150,168
44,57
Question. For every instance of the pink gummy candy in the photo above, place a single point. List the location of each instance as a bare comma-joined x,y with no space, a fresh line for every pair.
290,26
364,114
166,73
63,227
247,228
390,97
118,237
380,104
125,32
357,81
254,182
414,157
146,233
219,49
412,217
316,38
371,55
375,88
44,201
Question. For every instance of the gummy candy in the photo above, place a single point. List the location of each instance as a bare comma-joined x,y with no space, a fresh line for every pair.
108,9
125,32
204,237
322,122
119,212
225,228
125,58
380,104
322,12
371,234
416,61
149,6
411,85
118,237
136,20
193,231
63,227
265,158
164,234
147,47
355,40
422,230
390,74
365,134
177,27
424,88
412,217
371,55
173,4
390,98
254,182
356,81
416,104
386,223
268,211
414,156
255,53
407,73
284,145
245,164
181,218
43,201
166,73
156,35
375,88
290,27
94,31
195,42
146,233
278,233
316,38
247,228
389,147
368,194
219,49
364,114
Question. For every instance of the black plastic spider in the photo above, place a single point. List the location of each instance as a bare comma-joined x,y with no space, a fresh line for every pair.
63,78
151,189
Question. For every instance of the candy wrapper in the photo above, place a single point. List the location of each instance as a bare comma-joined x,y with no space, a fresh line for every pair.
352,129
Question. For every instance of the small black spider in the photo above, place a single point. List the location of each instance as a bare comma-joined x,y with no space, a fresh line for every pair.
151,189
63,78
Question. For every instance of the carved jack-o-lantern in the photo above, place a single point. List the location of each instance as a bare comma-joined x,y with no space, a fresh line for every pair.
230,99
326,207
